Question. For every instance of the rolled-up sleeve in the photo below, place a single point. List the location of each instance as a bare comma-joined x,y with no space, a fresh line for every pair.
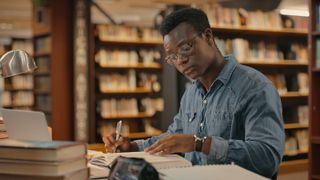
261,150
175,127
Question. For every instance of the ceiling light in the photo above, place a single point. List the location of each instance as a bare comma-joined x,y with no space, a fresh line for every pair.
294,12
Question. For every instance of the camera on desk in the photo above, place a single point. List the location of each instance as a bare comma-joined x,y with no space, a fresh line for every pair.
132,169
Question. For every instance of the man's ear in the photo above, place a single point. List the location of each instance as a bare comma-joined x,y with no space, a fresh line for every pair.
209,36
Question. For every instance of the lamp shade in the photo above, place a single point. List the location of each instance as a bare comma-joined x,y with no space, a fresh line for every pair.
16,62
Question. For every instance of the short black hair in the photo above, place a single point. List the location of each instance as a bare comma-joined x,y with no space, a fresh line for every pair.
195,17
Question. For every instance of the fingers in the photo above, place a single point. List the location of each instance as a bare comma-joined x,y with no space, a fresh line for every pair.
162,146
109,142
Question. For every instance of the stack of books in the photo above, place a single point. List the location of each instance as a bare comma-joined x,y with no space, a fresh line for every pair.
54,160
3,132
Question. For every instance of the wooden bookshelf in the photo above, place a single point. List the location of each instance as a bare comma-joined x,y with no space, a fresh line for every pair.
127,65
134,66
314,98
295,126
140,115
52,37
127,91
131,42
293,166
255,31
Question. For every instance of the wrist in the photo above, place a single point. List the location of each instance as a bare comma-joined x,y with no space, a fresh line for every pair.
206,145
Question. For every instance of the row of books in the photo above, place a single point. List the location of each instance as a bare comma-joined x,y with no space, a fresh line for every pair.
37,160
290,83
129,81
296,142
3,132
22,82
20,98
233,17
42,83
43,45
317,49
246,50
297,114
108,32
43,64
110,108
24,45
126,57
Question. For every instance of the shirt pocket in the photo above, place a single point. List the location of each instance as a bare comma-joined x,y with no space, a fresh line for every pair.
190,120
219,124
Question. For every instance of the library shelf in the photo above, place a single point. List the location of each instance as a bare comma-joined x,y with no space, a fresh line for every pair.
298,152
130,42
133,66
127,91
255,31
276,64
294,94
295,126
140,115
293,166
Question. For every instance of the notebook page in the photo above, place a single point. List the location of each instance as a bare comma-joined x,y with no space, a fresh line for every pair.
209,172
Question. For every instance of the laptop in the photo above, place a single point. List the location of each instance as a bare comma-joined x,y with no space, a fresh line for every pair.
26,125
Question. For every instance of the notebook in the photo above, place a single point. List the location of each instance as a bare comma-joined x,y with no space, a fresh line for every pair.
209,172
158,162
26,125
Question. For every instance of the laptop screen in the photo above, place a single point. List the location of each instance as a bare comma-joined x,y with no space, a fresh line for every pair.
26,125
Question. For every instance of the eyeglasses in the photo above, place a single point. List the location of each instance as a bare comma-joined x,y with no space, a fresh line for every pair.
184,51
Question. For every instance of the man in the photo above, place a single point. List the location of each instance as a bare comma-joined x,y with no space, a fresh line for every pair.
231,113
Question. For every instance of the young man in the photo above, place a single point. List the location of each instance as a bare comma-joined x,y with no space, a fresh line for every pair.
231,113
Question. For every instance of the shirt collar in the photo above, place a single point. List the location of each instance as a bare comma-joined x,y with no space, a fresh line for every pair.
226,72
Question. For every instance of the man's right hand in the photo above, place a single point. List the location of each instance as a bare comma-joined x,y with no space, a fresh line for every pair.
122,145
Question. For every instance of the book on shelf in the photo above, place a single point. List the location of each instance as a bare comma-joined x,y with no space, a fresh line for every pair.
41,150
317,49
159,162
38,167
82,174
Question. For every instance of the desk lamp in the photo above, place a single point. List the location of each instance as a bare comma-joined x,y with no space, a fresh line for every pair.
16,62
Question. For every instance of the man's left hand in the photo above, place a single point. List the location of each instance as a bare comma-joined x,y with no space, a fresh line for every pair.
172,144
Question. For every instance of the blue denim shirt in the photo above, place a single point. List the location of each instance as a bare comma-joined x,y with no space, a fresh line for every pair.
242,114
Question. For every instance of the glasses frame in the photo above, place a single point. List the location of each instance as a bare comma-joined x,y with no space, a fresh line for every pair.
174,57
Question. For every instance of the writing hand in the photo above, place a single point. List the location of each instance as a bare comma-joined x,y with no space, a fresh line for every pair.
172,144
123,144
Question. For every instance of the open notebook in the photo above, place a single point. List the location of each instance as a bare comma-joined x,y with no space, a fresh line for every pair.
158,162
209,172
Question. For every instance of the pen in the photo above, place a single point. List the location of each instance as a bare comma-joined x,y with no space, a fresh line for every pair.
118,131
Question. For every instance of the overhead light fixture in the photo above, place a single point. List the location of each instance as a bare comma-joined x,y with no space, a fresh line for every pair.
294,12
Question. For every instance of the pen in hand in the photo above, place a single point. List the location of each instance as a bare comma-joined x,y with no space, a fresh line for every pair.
118,131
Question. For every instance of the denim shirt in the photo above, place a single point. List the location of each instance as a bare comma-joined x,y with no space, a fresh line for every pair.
242,114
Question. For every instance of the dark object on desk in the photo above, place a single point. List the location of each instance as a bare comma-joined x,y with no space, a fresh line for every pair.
132,169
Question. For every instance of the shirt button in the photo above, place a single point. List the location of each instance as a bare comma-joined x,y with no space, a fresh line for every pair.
190,119
201,124
205,101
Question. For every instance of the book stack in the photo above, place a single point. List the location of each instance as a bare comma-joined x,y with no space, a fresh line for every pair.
3,132
54,160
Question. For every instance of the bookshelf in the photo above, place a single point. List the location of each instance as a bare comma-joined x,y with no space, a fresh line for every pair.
52,42
314,75
264,41
18,90
126,71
